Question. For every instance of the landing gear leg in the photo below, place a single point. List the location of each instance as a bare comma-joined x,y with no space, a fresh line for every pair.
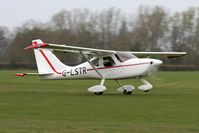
146,86
102,81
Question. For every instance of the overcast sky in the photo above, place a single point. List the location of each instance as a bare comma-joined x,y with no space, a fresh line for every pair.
15,12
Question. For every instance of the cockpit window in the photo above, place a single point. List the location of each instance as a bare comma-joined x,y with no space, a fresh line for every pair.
108,61
124,56
95,62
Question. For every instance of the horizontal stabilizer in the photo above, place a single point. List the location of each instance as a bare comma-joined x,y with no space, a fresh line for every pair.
32,74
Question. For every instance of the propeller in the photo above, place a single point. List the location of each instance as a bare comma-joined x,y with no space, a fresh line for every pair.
155,73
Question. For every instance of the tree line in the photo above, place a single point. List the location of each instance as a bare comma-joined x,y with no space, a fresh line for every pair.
150,29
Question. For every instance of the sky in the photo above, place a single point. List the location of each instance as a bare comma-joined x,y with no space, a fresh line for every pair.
14,13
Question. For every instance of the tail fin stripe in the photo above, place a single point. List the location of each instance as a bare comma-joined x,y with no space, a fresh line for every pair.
49,63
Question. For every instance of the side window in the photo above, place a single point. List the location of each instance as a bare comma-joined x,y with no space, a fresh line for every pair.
95,62
108,61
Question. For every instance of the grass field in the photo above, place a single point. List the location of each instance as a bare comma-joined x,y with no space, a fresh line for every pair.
29,105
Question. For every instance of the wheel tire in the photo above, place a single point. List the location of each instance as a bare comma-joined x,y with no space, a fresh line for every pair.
125,92
129,92
98,93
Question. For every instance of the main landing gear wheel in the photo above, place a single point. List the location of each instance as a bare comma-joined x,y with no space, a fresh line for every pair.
125,92
146,87
98,89
98,93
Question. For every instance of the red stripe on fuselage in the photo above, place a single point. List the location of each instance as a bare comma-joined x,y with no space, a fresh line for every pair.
49,63
119,66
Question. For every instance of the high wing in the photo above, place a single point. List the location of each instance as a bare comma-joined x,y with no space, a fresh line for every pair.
101,52
72,49
159,54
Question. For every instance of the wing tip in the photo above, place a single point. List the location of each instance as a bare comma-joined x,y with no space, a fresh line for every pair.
36,46
179,55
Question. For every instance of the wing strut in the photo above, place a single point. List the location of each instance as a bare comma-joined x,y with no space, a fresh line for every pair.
101,76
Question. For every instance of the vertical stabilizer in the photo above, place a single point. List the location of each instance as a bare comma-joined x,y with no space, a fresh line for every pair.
46,61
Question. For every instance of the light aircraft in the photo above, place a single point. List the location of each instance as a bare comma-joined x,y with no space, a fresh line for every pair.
104,64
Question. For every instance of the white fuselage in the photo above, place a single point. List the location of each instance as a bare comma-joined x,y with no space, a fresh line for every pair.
135,67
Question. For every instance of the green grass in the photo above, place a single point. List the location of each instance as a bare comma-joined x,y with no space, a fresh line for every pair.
29,105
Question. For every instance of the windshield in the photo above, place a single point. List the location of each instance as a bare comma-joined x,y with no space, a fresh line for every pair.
124,56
